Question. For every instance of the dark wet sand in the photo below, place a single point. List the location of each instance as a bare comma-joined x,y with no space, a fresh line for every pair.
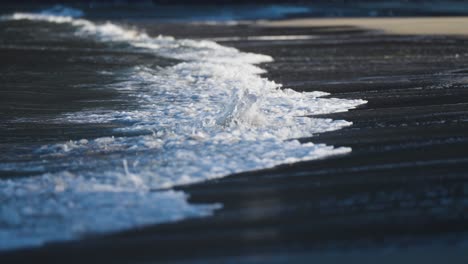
401,196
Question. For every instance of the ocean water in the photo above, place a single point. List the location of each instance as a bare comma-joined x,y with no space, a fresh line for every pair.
188,111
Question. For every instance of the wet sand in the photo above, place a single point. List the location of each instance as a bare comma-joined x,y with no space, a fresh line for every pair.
401,196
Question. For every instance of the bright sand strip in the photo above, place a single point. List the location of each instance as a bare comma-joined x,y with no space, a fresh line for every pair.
403,26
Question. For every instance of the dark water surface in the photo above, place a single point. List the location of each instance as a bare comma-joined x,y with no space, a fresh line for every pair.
400,196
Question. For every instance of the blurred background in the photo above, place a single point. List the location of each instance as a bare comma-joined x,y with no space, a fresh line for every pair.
225,10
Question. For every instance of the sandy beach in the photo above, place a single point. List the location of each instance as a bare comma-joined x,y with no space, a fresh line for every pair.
399,26
401,195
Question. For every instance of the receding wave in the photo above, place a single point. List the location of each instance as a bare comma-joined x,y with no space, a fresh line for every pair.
208,116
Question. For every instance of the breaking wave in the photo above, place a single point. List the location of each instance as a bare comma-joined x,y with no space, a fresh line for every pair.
209,116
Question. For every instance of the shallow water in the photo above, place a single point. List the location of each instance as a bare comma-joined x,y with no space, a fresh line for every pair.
159,112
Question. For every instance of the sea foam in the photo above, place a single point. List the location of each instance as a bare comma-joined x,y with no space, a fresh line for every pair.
209,116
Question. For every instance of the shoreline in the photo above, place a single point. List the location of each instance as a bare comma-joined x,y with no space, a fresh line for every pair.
397,25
